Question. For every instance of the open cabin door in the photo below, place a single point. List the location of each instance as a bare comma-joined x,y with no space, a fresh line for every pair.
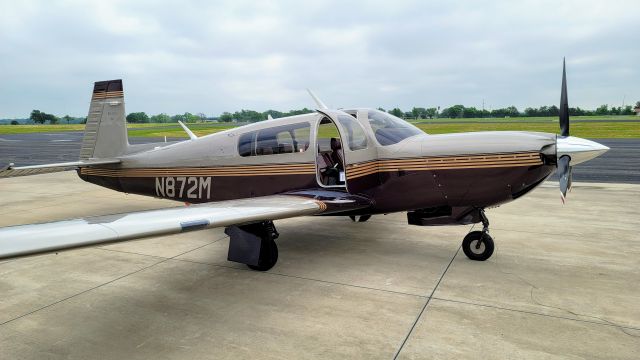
352,147
330,159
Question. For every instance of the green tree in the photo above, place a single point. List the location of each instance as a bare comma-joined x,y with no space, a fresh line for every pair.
37,117
160,118
226,117
274,114
67,118
248,116
51,118
40,117
419,113
178,117
190,118
470,112
431,112
396,112
15,122
137,118
602,110
455,111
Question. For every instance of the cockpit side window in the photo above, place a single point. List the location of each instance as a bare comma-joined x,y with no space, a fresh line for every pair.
285,139
356,137
390,130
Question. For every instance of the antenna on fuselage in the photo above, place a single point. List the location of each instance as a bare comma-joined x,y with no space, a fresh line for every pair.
319,102
192,136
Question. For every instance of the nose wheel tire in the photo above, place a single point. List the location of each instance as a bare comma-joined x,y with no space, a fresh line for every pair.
477,246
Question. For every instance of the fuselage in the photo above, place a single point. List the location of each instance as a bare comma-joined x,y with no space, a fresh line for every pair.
356,151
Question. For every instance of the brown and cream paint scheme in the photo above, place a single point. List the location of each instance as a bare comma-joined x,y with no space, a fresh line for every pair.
349,162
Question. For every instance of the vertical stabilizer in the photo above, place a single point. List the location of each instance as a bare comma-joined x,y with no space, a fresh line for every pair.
105,134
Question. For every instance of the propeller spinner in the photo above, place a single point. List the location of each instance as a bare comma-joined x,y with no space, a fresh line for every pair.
571,150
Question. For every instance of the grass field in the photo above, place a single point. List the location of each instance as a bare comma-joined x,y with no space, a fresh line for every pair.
593,130
545,119
590,127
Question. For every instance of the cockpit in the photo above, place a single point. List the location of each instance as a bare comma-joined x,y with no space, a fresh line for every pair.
339,138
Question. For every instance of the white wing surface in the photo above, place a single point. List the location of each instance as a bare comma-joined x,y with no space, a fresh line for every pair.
48,237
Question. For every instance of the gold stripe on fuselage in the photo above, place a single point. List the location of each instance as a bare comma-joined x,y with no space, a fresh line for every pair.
444,163
247,170
353,170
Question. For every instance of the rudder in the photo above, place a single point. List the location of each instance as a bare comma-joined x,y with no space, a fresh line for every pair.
105,134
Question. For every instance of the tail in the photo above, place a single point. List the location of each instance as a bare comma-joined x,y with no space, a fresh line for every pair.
105,134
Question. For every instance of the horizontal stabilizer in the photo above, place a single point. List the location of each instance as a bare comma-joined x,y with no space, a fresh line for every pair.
24,240
12,171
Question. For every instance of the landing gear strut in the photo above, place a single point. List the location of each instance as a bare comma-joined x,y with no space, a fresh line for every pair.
253,245
478,245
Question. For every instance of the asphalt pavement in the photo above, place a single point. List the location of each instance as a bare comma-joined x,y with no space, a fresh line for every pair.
621,164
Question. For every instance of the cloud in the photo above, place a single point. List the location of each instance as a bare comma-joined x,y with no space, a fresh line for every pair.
215,56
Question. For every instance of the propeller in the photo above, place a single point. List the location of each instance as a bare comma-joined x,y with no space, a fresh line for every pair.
564,175
571,150
564,161
564,104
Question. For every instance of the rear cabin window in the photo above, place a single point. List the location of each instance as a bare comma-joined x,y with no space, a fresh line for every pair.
285,139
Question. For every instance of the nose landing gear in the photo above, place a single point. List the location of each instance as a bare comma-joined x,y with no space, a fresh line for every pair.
478,245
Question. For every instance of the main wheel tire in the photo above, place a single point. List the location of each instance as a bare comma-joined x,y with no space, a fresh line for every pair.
361,218
268,256
477,246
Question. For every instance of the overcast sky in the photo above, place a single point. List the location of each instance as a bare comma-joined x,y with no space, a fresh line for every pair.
215,56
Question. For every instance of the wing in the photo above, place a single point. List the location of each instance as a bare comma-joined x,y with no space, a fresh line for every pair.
38,238
11,171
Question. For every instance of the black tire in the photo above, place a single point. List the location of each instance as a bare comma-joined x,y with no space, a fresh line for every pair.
268,256
361,218
476,249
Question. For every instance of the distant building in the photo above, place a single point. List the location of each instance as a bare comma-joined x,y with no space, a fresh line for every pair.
637,110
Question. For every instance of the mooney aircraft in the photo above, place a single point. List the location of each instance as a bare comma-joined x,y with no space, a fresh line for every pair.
350,162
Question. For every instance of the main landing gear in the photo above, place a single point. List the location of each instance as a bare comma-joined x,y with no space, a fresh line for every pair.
253,245
478,245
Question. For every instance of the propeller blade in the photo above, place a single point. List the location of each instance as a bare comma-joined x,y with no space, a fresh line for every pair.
564,175
564,104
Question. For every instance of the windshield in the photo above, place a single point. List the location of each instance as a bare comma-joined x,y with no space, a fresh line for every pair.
389,129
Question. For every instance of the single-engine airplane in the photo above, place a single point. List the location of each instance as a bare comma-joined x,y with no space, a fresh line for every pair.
350,162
